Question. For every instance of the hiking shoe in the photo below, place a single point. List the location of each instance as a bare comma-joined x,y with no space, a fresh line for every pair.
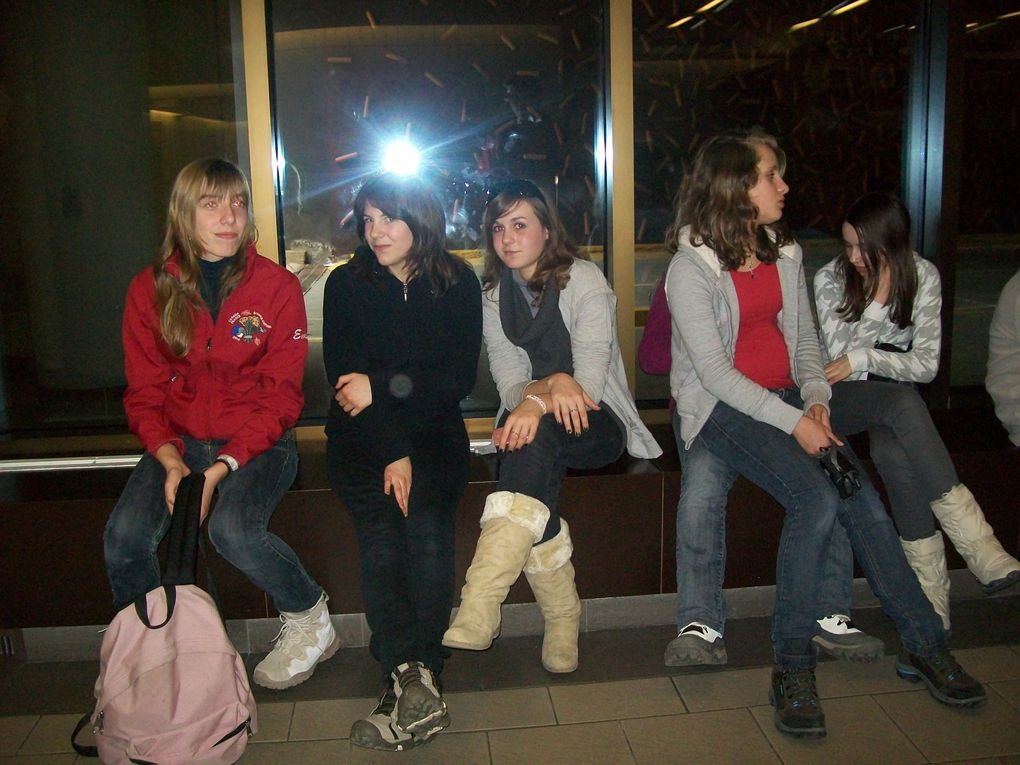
379,730
696,644
837,636
999,585
420,705
305,639
795,697
947,681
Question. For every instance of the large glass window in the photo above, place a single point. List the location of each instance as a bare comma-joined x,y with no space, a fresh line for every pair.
101,103
484,91
989,219
828,79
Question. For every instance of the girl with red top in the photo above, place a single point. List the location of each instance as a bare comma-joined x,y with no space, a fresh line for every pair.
214,348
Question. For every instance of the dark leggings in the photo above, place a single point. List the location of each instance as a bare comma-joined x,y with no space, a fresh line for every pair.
407,575
537,470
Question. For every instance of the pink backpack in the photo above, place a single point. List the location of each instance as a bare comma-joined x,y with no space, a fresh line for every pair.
172,688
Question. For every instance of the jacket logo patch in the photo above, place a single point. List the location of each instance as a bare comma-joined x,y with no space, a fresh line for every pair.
249,326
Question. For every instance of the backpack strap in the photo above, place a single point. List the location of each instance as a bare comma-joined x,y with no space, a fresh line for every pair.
182,549
84,751
142,607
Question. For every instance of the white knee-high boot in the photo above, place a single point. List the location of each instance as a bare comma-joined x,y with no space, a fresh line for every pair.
551,576
965,525
927,557
511,524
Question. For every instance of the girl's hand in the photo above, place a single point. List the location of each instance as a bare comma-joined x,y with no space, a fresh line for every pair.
397,478
520,427
813,432
354,392
170,459
215,473
838,370
570,404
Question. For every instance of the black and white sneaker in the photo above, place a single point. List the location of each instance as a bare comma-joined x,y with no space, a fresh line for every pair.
696,644
837,636
420,706
379,730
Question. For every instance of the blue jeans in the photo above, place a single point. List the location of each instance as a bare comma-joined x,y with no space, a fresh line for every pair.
905,446
705,483
238,525
775,462
407,573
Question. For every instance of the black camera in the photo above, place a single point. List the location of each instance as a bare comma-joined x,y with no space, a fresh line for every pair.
841,471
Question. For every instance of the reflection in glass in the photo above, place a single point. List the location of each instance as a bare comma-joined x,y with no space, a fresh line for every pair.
832,90
989,222
485,92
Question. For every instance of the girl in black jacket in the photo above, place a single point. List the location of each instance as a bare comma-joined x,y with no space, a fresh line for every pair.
401,337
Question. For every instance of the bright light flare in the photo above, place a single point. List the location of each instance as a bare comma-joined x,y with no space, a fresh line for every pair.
401,158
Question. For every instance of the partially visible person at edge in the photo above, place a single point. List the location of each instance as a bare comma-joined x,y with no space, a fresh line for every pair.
749,384
401,335
549,322
1003,380
215,340
879,306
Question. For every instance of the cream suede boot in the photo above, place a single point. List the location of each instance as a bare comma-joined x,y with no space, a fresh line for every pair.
551,576
511,524
927,557
965,525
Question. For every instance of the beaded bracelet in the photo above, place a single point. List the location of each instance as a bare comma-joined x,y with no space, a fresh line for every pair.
538,400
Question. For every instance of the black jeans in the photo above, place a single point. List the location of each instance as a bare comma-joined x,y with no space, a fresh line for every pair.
407,576
537,470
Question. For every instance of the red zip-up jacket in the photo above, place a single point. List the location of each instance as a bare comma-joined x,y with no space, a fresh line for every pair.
241,379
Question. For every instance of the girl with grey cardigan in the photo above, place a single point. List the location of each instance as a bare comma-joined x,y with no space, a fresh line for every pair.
549,325
749,384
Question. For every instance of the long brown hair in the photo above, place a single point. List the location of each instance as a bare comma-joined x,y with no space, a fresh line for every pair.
177,295
882,224
714,201
411,200
559,251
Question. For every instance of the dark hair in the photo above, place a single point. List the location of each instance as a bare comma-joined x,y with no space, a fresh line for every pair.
882,224
410,199
714,201
177,295
559,251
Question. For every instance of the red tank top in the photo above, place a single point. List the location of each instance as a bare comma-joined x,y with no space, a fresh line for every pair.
761,354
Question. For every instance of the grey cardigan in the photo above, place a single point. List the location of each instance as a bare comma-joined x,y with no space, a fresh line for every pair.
588,308
706,318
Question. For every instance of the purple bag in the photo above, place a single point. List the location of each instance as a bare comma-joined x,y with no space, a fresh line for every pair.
653,351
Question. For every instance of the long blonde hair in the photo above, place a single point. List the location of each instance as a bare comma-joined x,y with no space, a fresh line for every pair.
177,297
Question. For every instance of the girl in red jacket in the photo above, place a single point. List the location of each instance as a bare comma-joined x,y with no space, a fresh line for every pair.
214,349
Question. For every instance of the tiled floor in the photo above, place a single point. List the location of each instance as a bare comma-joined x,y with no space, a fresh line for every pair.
623,706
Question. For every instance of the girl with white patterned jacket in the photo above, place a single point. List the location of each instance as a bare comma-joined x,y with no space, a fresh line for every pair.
879,308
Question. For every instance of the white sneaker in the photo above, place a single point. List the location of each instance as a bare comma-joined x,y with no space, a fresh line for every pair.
305,639
696,644
837,636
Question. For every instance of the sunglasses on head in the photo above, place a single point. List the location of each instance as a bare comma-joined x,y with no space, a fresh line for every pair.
515,188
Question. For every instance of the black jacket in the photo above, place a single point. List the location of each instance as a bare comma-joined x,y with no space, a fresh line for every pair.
420,352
